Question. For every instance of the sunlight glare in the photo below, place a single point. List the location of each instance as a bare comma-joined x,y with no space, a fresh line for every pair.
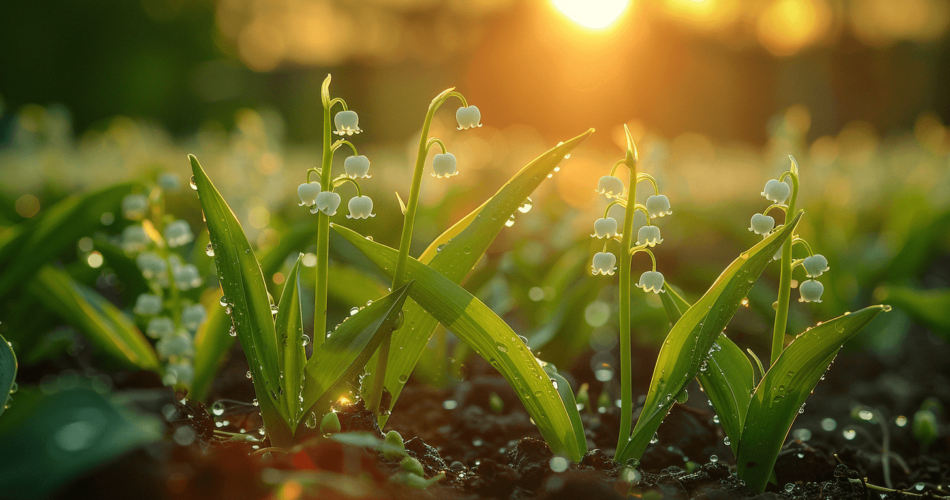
594,14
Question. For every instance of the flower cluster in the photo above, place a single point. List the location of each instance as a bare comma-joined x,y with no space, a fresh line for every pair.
778,191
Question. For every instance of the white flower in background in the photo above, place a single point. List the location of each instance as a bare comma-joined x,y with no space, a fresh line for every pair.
178,233
468,117
444,165
151,264
135,206
193,316
776,191
610,186
347,123
810,291
815,265
658,205
605,228
651,281
187,277
308,192
649,235
179,373
361,207
169,181
148,304
356,166
762,224
134,238
179,345
160,327
327,202
604,263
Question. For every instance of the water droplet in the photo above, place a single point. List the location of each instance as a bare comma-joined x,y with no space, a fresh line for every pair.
354,310
311,421
248,375
655,439
233,331
193,184
726,441
255,403
224,301
502,347
511,221
209,250
716,418
526,206
849,434
217,408
305,340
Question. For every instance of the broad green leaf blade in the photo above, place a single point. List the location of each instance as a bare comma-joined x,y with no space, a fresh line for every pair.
462,245
246,295
291,350
930,308
479,327
34,243
104,324
726,377
343,354
212,342
570,404
784,389
47,440
688,343
8,368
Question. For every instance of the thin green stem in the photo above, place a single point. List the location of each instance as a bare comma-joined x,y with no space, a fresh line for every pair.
339,181
613,169
651,180
798,241
340,101
785,279
776,206
323,224
435,141
626,377
643,248
343,142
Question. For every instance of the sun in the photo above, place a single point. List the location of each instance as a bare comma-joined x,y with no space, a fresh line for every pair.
594,14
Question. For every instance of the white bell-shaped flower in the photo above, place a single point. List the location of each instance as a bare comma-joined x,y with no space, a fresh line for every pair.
178,233
148,304
193,316
135,206
327,202
151,264
776,191
610,186
762,224
160,327
169,181
187,277
649,235
179,373
356,166
178,344
468,117
444,165
810,291
347,123
605,228
604,263
815,265
651,281
134,238
658,205
308,192
361,207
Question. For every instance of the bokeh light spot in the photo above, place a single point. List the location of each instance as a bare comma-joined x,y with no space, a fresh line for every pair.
594,14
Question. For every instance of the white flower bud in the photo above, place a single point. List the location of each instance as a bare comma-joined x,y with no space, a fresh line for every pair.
148,305
468,117
651,281
135,206
444,165
762,224
160,327
610,186
356,166
308,192
658,205
605,228
604,263
187,277
151,264
361,207
178,233
815,265
169,181
649,235
327,202
134,238
810,291
347,123
193,316
776,191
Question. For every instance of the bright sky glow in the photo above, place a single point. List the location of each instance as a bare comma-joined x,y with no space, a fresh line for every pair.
594,14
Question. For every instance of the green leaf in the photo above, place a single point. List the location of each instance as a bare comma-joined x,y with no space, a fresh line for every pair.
726,377
212,341
784,389
104,324
343,354
688,343
462,245
243,284
475,324
47,440
8,368
570,404
291,352
930,308
25,248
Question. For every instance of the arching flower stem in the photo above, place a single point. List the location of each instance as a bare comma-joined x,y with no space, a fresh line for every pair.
399,274
432,141
338,100
651,180
340,143
613,169
643,248
785,277
776,206
797,240
339,181
314,170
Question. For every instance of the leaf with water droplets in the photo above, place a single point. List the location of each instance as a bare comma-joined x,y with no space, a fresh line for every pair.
8,366
291,353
